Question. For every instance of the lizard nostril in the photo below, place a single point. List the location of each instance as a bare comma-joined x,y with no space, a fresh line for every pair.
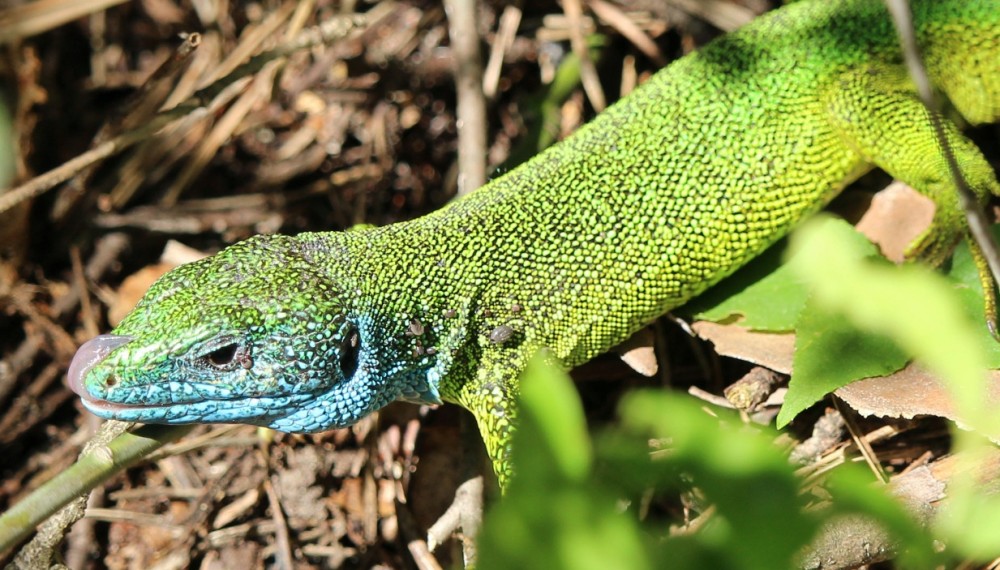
89,355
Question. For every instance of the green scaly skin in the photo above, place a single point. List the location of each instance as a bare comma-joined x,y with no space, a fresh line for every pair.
673,188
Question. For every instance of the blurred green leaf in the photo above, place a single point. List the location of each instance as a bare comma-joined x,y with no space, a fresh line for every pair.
578,517
917,308
550,516
939,321
744,475
552,442
971,520
7,147
562,528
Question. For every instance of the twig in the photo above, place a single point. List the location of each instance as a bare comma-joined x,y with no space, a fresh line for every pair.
727,16
37,404
141,105
422,556
33,18
284,544
40,184
510,19
221,132
847,414
107,252
588,73
259,89
620,21
466,510
826,434
154,91
17,362
80,283
102,458
711,398
471,101
81,537
60,341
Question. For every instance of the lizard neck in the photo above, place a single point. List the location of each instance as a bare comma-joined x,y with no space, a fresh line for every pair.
412,341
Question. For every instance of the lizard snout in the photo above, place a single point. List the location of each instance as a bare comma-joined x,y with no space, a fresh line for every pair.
89,354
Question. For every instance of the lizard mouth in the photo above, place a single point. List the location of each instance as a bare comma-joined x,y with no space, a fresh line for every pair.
89,355
202,403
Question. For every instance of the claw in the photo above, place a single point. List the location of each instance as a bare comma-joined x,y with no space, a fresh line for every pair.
989,287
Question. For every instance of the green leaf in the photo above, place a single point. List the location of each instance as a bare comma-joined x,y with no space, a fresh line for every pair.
830,353
560,528
764,295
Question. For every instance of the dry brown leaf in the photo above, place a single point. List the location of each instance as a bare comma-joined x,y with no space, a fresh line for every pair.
909,393
771,350
897,215
639,352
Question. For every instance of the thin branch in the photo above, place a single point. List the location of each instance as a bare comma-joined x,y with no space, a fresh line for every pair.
32,18
471,101
979,227
588,73
727,16
44,182
510,20
620,21
102,458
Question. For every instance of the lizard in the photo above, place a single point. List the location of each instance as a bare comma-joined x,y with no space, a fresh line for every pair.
697,171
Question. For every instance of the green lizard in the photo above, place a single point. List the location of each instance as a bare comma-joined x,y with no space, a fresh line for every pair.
668,191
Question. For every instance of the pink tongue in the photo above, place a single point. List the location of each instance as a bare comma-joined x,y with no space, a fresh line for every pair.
92,352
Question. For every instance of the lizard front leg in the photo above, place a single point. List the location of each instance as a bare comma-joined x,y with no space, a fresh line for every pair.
492,399
879,115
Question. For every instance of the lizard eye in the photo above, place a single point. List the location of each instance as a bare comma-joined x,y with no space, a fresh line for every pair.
350,347
226,357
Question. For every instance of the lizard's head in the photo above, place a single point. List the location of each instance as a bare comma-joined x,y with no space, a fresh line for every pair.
257,334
